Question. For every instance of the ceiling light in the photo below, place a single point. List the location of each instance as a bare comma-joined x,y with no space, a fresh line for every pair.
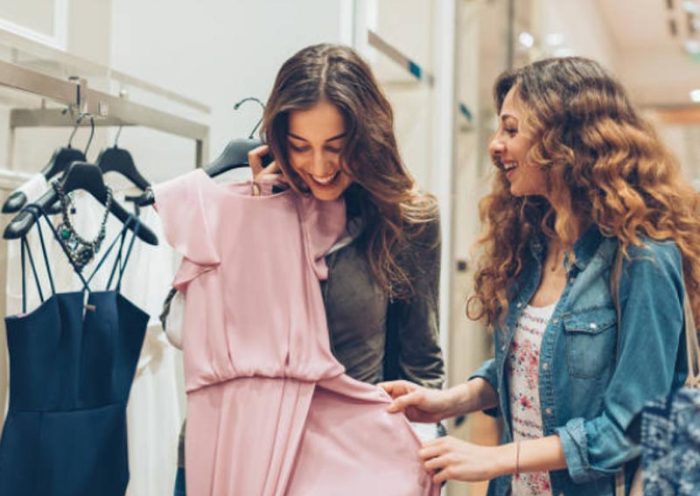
691,6
563,52
526,39
695,96
692,47
554,39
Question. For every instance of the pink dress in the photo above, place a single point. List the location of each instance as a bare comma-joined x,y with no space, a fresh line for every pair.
270,410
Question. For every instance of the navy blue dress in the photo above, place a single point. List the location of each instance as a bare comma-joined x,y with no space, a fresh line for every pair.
72,362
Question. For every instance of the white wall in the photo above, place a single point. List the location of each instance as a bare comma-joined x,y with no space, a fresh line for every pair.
581,24
214,51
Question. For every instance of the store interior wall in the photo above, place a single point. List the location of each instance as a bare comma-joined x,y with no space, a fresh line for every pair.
218,52
215,52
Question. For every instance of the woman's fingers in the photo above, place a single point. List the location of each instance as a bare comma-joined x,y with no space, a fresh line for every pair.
403,402
397,388
255,159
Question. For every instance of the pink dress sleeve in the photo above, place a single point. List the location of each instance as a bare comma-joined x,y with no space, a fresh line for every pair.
323,223
181,205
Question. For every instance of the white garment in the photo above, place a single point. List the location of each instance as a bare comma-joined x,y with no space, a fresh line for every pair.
156,406
525,409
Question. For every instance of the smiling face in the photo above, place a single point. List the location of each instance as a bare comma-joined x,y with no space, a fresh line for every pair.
509,148
315,139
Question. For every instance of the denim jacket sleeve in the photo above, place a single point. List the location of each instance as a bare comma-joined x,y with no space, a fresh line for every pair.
651,304
487,371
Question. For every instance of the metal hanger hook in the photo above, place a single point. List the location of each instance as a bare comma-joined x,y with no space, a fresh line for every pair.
75,128
248,99
119,133
92,132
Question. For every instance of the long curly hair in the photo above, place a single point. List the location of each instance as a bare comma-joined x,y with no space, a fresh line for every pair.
604,164
384,193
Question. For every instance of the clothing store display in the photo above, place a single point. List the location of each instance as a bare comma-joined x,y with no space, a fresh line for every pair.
525,407
263,385
72,361
156,404
34,187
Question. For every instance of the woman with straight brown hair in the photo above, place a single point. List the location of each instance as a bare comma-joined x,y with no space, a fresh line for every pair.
330,130
591,247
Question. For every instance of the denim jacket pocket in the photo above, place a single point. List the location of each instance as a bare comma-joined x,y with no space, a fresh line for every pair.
590,341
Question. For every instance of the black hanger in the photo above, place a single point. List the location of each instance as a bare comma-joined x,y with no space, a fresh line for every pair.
58,163
234,156
115,159
80,175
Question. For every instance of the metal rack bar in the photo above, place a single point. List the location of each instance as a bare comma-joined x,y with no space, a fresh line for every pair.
13,76
110,110
39,53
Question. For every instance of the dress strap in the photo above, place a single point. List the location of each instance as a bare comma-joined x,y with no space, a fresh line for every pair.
118,239
45,253
120,264
36,212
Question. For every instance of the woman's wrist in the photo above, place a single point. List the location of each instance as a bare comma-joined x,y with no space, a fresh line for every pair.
507,459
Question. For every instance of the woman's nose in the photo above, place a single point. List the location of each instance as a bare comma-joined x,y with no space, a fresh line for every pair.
496,146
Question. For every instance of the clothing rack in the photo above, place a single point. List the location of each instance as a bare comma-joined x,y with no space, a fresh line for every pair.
108,110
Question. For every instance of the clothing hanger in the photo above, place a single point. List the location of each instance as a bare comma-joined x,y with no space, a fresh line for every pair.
58,163
234,156
115,159
80,176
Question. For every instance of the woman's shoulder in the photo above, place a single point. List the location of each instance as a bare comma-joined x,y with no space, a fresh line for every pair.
662,251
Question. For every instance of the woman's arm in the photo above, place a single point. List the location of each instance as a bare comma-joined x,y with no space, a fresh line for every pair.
427,405
449,458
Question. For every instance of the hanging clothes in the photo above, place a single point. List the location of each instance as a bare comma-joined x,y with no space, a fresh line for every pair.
32,189
156,404
270,410
72,362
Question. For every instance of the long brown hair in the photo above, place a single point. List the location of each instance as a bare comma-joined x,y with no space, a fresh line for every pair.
604,164
383,191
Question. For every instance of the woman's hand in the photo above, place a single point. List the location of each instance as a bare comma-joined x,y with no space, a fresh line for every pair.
449,458
420,404
260,173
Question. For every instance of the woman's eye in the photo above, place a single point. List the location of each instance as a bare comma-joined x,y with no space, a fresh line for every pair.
512,131
332,149
299,149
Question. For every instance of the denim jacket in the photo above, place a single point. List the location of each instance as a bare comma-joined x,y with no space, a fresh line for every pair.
595,376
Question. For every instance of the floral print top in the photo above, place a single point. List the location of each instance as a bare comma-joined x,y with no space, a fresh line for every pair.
523,370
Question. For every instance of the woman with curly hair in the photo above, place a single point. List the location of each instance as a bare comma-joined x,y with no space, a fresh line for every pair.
581,177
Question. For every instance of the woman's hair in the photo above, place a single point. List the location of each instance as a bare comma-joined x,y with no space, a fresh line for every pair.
383,192
604,165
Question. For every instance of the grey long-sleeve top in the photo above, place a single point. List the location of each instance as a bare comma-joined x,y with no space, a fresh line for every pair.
374,337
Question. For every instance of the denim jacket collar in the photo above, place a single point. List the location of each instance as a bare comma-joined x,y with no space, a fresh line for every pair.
586,246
